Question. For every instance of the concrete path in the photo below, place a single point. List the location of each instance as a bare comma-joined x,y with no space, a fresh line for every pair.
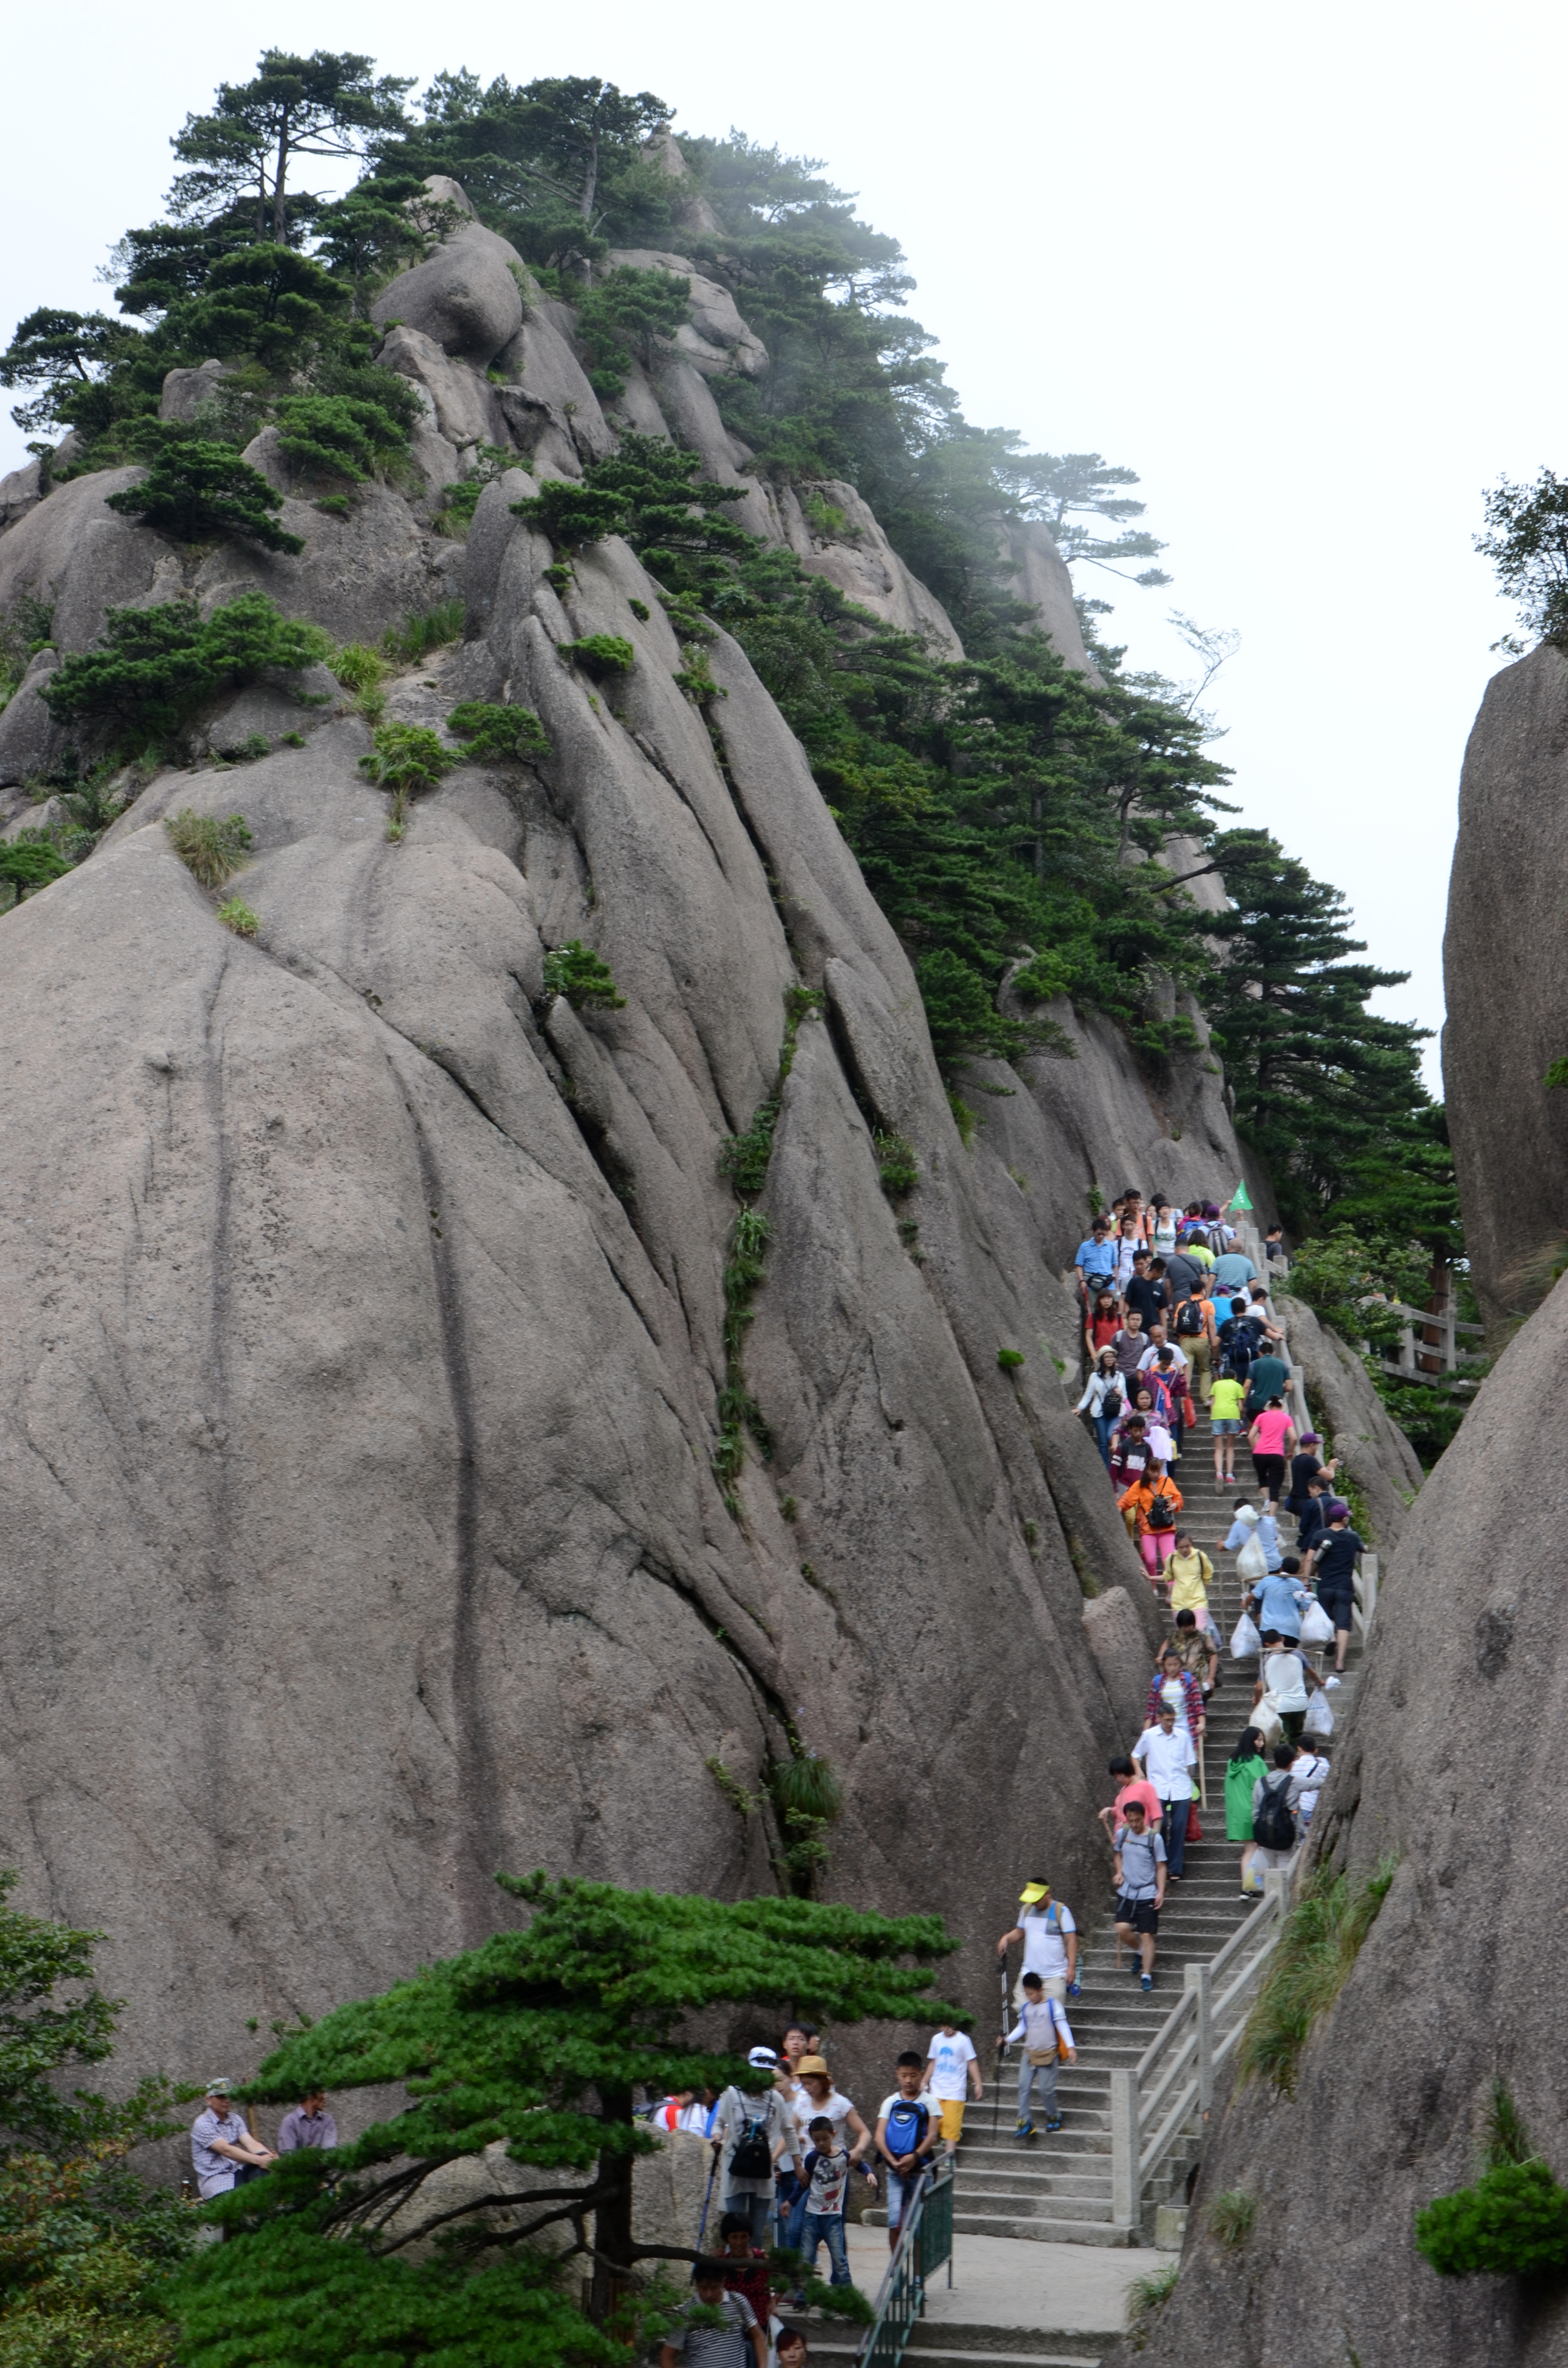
1000,2282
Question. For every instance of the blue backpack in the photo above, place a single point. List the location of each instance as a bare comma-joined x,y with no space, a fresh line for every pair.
907,2123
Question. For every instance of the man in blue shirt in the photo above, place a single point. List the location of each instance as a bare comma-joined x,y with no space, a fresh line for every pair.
1233,1271
1095,1261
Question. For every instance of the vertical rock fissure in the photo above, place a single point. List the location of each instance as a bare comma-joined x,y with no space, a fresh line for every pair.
476,1791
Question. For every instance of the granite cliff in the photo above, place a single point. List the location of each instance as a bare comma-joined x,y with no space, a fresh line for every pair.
363,1353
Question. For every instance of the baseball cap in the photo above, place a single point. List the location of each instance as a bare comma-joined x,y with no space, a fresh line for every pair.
216,2088
1031,1892
763,2059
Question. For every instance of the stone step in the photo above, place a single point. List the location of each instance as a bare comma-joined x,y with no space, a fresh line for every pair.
939,2344
1037,2231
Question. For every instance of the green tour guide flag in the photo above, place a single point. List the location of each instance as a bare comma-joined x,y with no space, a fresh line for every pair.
1239,1198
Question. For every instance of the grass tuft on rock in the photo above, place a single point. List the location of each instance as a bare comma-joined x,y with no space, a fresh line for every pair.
1311,1964
211,847
1232,2216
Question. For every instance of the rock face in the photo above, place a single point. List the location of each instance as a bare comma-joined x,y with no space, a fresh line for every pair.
363,1337
836,534
1449,1762
1507,999
362,1346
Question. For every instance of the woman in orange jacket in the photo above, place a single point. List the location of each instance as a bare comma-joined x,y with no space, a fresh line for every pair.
1149,1507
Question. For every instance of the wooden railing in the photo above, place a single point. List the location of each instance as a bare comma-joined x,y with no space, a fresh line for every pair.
1162,2102
924,2245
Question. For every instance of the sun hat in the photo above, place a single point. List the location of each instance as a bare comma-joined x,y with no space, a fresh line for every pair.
1031,1892
813,2064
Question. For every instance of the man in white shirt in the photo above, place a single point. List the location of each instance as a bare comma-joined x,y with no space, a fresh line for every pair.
951,2067
1050,1942
221,2147
1168,1758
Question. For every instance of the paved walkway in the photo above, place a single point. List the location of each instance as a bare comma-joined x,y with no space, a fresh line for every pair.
999,2282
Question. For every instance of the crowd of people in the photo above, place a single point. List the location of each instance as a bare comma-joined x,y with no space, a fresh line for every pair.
1178,1322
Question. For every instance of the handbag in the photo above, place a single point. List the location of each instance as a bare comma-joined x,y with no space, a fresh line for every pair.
1317,1628
1194,1829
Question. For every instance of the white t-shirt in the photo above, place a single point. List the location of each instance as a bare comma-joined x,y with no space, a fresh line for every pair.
1178,1356
805,2109
1045,1946
1167,1759
1284,1677
950,2056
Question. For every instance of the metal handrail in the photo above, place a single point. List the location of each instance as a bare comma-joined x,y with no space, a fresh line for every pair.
924,2243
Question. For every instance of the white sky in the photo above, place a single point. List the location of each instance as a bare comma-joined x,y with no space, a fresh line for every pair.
1301,269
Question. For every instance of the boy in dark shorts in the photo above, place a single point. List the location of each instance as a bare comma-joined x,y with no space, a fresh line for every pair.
1140,1887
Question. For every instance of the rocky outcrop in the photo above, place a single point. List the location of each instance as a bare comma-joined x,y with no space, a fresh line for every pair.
1039,578
1507,999
467,297
1374,1451
833,533
715,339
364,1341
1449,1762
81,559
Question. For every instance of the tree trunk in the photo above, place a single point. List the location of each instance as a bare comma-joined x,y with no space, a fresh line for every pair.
590,180
280,174
612,2219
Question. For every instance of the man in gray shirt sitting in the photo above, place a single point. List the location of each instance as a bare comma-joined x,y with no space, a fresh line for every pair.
222,2150
308,2125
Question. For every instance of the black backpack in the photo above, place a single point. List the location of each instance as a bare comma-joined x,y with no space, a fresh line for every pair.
753,2158
1235,1357
1190,1323
1159,1516
1273,1826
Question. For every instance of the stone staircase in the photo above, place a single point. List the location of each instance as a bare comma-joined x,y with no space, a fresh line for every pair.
936,2344
1057,2187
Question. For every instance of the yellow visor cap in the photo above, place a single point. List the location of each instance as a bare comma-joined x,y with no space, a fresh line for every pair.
1031,1892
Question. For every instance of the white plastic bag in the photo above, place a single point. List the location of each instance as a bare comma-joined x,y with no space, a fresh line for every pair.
1319,1719
1252,1563
1266,1720
1317,1628
1246,1641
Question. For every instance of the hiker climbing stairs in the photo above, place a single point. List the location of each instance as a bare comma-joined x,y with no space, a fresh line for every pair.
1057,2185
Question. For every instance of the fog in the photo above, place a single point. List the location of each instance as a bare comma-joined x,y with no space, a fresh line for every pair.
1299,270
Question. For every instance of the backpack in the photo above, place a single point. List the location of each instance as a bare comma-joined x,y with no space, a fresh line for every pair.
1273,1826
1159,1515
907,2122
1190,1323
753,2158
1110,1406
1235,1357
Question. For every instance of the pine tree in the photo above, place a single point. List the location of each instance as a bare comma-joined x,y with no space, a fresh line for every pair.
325,105
543,2038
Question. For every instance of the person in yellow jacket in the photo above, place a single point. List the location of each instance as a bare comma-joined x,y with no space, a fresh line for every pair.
1189,1572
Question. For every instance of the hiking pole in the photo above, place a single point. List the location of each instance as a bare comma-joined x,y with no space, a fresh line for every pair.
702,2223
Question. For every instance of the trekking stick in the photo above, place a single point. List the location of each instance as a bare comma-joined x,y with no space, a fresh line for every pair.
702,2223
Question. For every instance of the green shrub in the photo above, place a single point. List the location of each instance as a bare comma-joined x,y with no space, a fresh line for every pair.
254,746
640,611
809,1798
162,664
1009,1359
696,679
744,1157
1231,2214
572,513
575,971
1511,2223
629,312
1146,2298
28,864
494,732
601,654
963,1118
1311,1964
239,917
334,505
459,501
338,435
898,1168
416,636
406,759
212,849
199,491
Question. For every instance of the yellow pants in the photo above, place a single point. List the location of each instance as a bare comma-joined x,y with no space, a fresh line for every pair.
952,2118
